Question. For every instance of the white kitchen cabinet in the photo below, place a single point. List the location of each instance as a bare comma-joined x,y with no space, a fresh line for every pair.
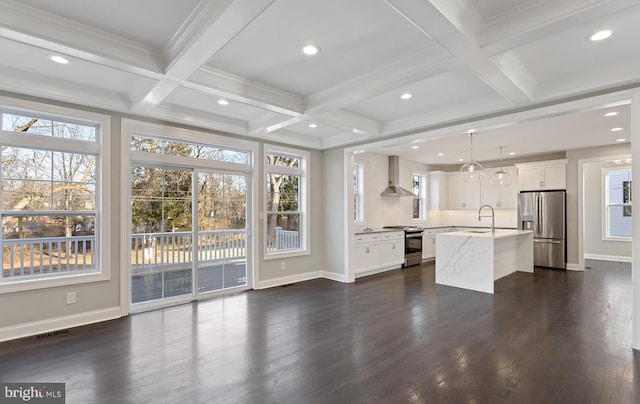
463,195
542,175
500,196
438,190
429,244
392,248
377,252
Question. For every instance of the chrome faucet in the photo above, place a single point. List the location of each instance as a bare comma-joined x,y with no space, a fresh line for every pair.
493,217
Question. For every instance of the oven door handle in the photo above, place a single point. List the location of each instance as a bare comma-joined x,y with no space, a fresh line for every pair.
414,235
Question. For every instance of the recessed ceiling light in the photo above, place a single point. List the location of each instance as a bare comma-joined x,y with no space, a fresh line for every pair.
612,113
313,125
600,35
440,154
223,102
406,96
616,129
310,50
59,59
415,147
621,140
461,160
512,153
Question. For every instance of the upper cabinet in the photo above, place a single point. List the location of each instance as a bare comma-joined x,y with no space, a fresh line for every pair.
542,175
500,196
438,190
463,195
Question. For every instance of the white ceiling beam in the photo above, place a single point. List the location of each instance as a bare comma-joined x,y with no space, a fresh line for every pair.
209,28
349,122
443,21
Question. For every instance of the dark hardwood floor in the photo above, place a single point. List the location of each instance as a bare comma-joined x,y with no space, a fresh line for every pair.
551,337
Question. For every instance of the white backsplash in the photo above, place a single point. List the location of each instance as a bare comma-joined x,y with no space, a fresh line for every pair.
388,211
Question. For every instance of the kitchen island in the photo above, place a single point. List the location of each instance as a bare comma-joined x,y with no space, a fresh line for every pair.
475,259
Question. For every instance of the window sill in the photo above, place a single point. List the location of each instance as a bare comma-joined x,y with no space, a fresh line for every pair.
627,239
11,286
286,254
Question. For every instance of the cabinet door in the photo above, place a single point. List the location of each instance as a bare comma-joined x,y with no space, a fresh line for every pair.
529,179
392,252
360,257
509,194
555,177
438,190
455,191
470,195
490,192
428,246
374,256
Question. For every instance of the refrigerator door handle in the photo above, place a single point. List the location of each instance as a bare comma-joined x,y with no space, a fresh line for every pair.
548,241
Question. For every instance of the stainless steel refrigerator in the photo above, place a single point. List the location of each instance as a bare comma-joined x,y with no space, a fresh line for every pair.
544,213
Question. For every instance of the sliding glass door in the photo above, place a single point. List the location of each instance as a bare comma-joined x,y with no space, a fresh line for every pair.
186,222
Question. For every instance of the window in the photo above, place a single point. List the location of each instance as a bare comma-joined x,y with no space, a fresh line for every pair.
419,196
286,201
617,193
53,182
358,191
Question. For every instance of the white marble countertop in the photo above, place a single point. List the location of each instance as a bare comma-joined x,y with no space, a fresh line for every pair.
376,230
486,233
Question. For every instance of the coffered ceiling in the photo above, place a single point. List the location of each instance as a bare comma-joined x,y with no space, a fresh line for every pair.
459,59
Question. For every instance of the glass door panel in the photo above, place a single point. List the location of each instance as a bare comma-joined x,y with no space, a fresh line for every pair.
161,233
222,231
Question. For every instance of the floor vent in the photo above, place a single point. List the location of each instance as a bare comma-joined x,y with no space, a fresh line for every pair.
51,334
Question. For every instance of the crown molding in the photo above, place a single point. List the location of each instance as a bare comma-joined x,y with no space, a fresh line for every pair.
21,82
34,27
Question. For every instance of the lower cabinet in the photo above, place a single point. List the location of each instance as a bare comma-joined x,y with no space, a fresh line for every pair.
378,252
428,244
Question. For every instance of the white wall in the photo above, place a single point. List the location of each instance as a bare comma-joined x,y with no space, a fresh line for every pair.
335,212
594,244
387,211
572,191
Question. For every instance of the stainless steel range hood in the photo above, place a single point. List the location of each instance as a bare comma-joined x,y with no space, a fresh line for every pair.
394,189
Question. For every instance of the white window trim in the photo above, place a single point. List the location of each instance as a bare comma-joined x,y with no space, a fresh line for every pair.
132,126
359,214
605,205
304,203
422,215
103,189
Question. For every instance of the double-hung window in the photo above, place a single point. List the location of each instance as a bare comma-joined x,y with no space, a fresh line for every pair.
358,193
286,198
419,187
53,183
617,222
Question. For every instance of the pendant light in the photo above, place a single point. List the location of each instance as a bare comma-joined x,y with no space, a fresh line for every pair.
501,177
471,171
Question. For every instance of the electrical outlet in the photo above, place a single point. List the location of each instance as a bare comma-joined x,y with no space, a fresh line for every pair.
71,297
283,265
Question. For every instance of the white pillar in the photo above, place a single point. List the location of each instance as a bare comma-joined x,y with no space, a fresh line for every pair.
635,169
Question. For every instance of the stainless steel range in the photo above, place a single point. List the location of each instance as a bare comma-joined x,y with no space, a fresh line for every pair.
412,244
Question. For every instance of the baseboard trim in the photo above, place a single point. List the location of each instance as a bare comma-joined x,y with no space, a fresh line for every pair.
573,267
602,257
377,271
285,280
334,276
59,323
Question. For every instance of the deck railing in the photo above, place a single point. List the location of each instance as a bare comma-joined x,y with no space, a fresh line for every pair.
38,256
151,251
